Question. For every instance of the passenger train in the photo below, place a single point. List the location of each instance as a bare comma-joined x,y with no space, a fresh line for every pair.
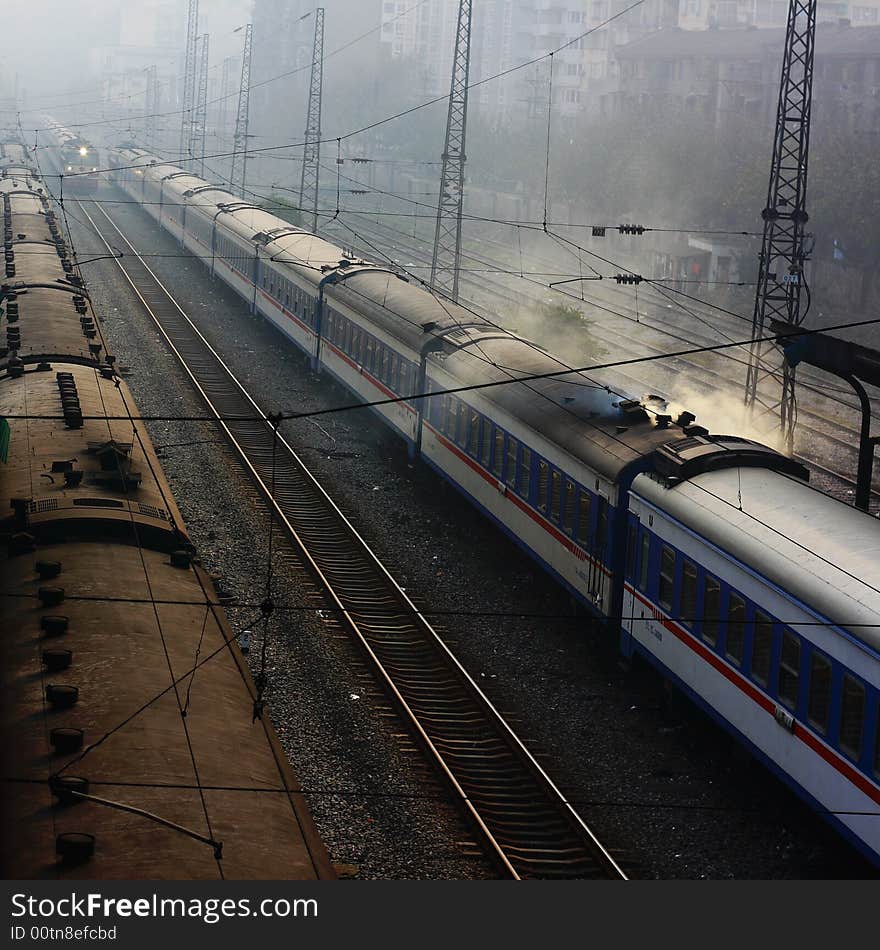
709,555
123,686
72,157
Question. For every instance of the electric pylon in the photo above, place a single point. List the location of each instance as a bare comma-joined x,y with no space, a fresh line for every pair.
308,189
225,93
784,248
238,174
151,108
200,119
189,78
447,234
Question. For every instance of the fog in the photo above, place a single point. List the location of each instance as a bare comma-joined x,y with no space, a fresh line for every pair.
657,118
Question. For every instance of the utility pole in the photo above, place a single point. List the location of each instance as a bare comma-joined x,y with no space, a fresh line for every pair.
189,78
238,174
151,108
225,93
200,121
308,189
784,248
447,234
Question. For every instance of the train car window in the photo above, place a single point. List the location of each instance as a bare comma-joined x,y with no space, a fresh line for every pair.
486,443
789,669
392,371
852,717
688,612
644,559
543,484
524,475
736,628
762,648
498,452
632,540
452,418
819,703
442,408
584,503
353,345
711,609
383,369
555,494
368,354
510,471
667,577
463,426
473,441
568,508
404,378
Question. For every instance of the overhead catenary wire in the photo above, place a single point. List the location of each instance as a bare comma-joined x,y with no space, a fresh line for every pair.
664,804
471,387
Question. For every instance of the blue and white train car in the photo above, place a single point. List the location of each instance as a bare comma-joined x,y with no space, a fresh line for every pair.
761,597
711,556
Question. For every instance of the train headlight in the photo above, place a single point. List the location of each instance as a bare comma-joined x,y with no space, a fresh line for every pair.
83,151
70,168
94,169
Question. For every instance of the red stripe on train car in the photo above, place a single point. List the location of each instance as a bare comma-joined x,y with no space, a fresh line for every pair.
737,679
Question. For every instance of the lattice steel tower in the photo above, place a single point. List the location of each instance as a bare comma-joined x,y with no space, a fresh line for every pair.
238,173
225,94
189,78
447,234
200,119
151,108
311,172
784,249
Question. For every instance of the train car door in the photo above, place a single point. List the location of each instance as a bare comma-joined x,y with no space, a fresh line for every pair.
632,570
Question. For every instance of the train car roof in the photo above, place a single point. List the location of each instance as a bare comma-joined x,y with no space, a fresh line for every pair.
795,536
603,429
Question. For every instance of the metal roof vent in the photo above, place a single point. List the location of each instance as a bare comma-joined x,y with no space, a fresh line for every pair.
50,596
63,786
74,848
62,697
57,660
181,558
65,739
54,625
48,569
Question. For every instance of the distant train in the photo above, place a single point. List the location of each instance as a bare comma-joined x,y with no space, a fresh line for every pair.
124,689
709,555
72,156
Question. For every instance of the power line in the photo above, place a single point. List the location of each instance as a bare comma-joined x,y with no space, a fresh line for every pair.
472,387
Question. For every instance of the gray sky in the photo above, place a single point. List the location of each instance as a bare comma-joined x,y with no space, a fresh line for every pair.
52,39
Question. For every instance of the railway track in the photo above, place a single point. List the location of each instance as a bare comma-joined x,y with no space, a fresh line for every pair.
522,819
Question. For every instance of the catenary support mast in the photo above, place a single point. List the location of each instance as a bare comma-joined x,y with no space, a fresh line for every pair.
238,174
200,120
446,261
785,243
308,191
189,78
